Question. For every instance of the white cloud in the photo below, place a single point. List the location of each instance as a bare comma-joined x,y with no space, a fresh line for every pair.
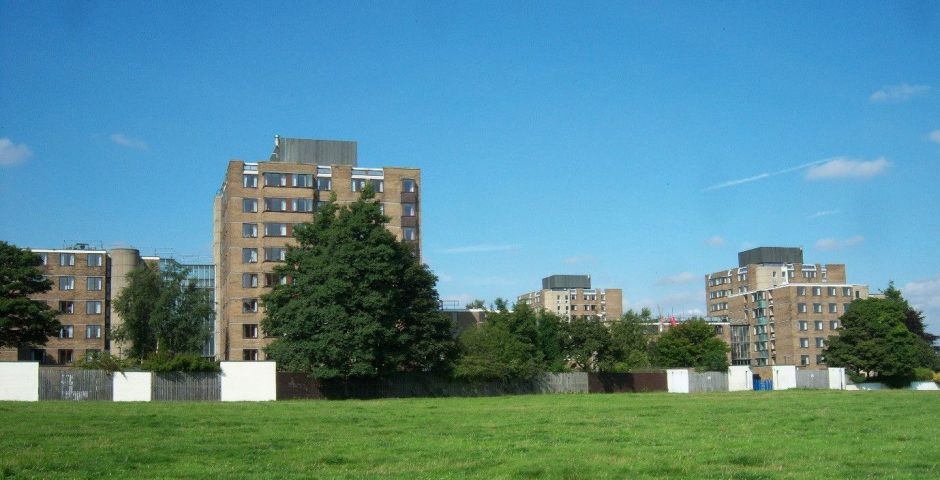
678,279
715,241
823,213
934,136
924,295
11,154
129,142
481,248
847,168
898,93
836,244
579,259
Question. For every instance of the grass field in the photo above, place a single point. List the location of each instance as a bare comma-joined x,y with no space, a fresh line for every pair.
747,435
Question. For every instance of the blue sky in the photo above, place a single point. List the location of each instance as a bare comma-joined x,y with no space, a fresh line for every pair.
644,144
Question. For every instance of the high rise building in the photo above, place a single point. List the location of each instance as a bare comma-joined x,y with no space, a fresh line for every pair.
781,310
571,296
257,207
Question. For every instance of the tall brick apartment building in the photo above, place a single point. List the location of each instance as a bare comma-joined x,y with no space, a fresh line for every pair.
781,310
571,296
257,208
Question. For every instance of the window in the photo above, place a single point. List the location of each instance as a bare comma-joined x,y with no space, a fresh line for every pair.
378,186
249,280
66,259
93,307
249,205
804,342
272,279
821,342
845,307
804,325
833,325
833,308
358,184
249,255
304,180
95,283
275,205
302,204
250,180
820,359
276,230
67,331
846,291
250,330
408,185
249,230
324,184
408,210
92,331
275,254
409,233
817,308
804,359
817,291
67,283
801,307
250,305
321,204
275,179
250,354
66,356
43,258
818,325
66,306
832,291
382,208
801,291
95,259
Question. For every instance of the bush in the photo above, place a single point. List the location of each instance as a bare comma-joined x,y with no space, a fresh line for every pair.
161,363
105,361
923,374
936,377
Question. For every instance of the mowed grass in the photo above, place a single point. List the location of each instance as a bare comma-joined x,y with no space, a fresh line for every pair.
747,435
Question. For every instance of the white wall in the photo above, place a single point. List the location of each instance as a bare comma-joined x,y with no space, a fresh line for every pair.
784,377
837,379
19,381
249,381
924,386
740,377
133,386
677,380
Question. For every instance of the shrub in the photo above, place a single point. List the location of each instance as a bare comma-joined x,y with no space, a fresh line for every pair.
936,377
923,374
180,363
105,361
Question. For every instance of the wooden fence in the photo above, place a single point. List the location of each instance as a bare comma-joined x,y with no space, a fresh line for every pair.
57,383
187,386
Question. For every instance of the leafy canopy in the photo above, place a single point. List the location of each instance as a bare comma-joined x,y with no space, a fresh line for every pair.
23,321
358,302
163,312
691,344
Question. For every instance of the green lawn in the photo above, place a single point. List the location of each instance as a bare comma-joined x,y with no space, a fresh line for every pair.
747,435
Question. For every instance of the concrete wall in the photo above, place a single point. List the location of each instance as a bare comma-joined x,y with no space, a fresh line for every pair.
740,377
19,381
133,386
924,386
249,381
677,380
784,377
837,379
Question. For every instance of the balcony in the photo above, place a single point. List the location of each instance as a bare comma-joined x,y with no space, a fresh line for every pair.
762,304
762,320
763,354
762,337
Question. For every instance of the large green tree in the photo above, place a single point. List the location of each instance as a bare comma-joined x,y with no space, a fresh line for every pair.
358,303
162,312
23,321
508,345
875,341
585,343
629,342
690,344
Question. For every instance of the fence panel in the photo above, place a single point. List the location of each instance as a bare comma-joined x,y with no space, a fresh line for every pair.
812,379
708,382
627,382
187,386
57,383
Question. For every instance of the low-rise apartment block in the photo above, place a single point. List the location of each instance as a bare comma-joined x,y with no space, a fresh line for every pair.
571,296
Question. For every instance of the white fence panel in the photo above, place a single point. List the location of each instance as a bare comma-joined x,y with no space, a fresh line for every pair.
133,386
740,378
249,381
837,379
784,377
19,381
677,380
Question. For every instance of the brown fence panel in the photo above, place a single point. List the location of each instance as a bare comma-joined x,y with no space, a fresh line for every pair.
627,382
187,386
57,383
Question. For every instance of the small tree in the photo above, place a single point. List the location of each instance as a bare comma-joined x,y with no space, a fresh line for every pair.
476,304
585,343
162,312
630,339
691,344
506,346
23,321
